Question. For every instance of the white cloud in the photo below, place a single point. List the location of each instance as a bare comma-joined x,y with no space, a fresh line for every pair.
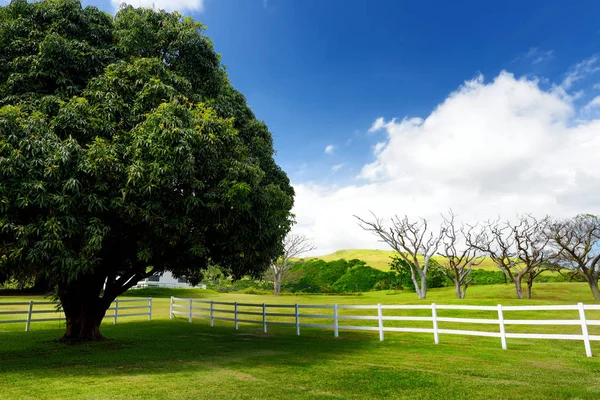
491,148
596,86
579,71
336,167
538,56
378,148
329,149
593,104
169,5
377,125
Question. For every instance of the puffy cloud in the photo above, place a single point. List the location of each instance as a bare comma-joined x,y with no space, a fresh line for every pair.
329,149
169,5
488,126
497,148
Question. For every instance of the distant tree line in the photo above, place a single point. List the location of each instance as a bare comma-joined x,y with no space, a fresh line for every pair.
354,276
521,250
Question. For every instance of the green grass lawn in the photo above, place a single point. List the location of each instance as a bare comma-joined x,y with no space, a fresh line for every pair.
380,259
166,359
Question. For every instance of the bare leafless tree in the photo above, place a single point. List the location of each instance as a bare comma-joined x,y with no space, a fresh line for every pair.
293,247
576,242
518,249
457,263
410,240
532,246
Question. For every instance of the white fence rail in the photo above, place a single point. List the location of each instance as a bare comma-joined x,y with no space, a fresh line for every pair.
114,312
259,314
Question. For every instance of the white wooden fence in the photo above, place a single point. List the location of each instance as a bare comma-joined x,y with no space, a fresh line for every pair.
26,315
194,308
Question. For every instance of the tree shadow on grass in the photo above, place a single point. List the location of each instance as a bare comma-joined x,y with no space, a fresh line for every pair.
173,346
179,360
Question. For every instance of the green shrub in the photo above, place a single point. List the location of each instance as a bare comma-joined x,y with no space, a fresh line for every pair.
392,281
315,276
435,274
483,277
227,285
436,278
361,278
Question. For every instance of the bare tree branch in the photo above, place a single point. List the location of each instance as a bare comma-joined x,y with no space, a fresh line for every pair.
518,249
293,247
576,245
410,240
457,264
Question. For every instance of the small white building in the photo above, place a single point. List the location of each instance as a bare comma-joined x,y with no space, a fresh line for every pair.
166,279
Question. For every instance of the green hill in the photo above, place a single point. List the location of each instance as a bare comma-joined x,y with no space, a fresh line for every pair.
380,259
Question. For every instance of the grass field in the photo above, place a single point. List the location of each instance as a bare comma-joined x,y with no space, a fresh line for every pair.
166,359
380,259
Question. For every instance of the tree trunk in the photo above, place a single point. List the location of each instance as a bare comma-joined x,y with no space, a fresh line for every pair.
277,283
593,283
417,288
84,326
530,279
518,287
460,293
422,290
84,308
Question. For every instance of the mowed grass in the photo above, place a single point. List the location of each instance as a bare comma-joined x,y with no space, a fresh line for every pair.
173,359
380,259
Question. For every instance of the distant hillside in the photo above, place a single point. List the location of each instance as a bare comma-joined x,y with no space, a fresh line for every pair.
380,259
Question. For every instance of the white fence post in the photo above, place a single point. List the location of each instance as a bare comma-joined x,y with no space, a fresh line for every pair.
584,331
501,323
585,335
264,318
436,336
29,316
236,315
297,321
116,311
336,331
380,315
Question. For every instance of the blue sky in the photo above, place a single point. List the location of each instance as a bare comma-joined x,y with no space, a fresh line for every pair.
319,72
496,104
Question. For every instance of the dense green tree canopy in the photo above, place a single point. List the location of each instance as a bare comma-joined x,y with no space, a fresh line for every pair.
125,151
